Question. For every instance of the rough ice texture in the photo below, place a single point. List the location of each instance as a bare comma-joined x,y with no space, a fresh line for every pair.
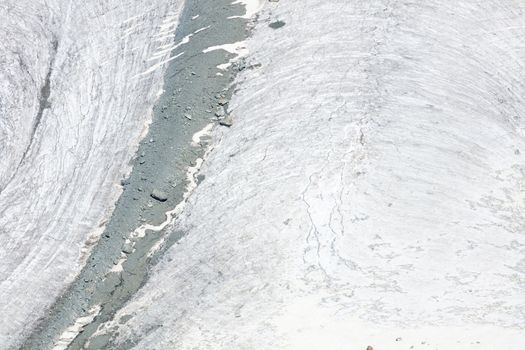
72,109
370,190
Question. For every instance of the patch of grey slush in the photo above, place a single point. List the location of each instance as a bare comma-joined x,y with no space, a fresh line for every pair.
193,92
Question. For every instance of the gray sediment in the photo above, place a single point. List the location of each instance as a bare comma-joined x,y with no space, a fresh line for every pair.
192,87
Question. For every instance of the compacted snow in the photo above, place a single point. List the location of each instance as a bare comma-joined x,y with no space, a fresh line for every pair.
77,83
370,191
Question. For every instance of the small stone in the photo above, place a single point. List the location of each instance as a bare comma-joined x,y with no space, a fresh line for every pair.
208,111
228,121
127,248
187,116
188,108
517,152
193,73
223,101
142,161
124,182
159,195
399,339
369,348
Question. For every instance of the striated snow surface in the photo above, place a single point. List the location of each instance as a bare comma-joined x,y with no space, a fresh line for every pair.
370,191
77,83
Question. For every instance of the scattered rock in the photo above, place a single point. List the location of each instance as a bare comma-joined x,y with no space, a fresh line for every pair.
187,116
223,101
399,339
124,182
159,195
228,121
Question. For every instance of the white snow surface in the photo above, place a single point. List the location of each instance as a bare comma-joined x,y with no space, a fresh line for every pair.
59,175
370,191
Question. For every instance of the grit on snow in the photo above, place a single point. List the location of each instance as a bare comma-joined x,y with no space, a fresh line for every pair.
77,86
369,192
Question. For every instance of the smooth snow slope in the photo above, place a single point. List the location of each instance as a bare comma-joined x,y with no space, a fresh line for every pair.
370,192
77,83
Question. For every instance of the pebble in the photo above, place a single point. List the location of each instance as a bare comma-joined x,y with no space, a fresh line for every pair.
159,195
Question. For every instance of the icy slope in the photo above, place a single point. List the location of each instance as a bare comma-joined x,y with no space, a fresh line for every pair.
370,191
76,88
